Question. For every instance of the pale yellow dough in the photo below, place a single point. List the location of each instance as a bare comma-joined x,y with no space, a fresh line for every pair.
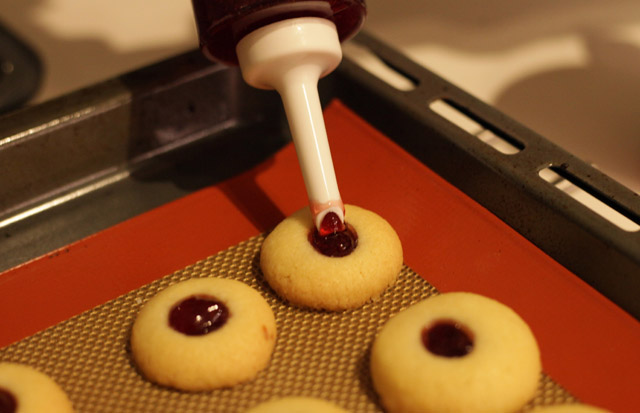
500,374
297,405
35,392
305,277
233,354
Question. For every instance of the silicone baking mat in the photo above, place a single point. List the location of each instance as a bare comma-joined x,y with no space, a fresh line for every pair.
318,353
588,344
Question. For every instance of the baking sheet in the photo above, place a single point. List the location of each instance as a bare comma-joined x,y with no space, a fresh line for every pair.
448,238
318,353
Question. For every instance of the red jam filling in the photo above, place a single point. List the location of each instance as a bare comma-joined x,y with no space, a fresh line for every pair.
331,223
447,338
8,402
198,315
339,239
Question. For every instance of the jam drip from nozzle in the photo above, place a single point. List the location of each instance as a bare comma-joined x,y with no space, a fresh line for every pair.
334,238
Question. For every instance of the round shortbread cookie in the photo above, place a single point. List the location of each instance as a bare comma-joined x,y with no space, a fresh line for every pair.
569,408
28,390
496,370
297,405
233,353
305,277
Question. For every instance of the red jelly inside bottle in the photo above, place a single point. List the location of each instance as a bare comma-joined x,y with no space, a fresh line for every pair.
198,315
335,238
448,339
8,402
223,23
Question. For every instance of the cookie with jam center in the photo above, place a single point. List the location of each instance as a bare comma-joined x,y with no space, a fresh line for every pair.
297,405
23,389
203,334
455,352
342,271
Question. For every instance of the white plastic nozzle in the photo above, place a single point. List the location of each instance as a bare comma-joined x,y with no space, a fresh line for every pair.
290,56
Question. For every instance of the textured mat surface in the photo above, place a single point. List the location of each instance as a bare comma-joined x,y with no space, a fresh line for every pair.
318,353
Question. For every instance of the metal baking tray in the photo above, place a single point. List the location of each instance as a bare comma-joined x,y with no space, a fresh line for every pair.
81,163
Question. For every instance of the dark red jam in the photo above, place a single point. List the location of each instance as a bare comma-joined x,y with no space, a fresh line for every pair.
331,223
198,315
8,402
447,338
338,243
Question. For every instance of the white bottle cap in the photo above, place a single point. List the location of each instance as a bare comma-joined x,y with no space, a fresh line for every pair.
290,56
